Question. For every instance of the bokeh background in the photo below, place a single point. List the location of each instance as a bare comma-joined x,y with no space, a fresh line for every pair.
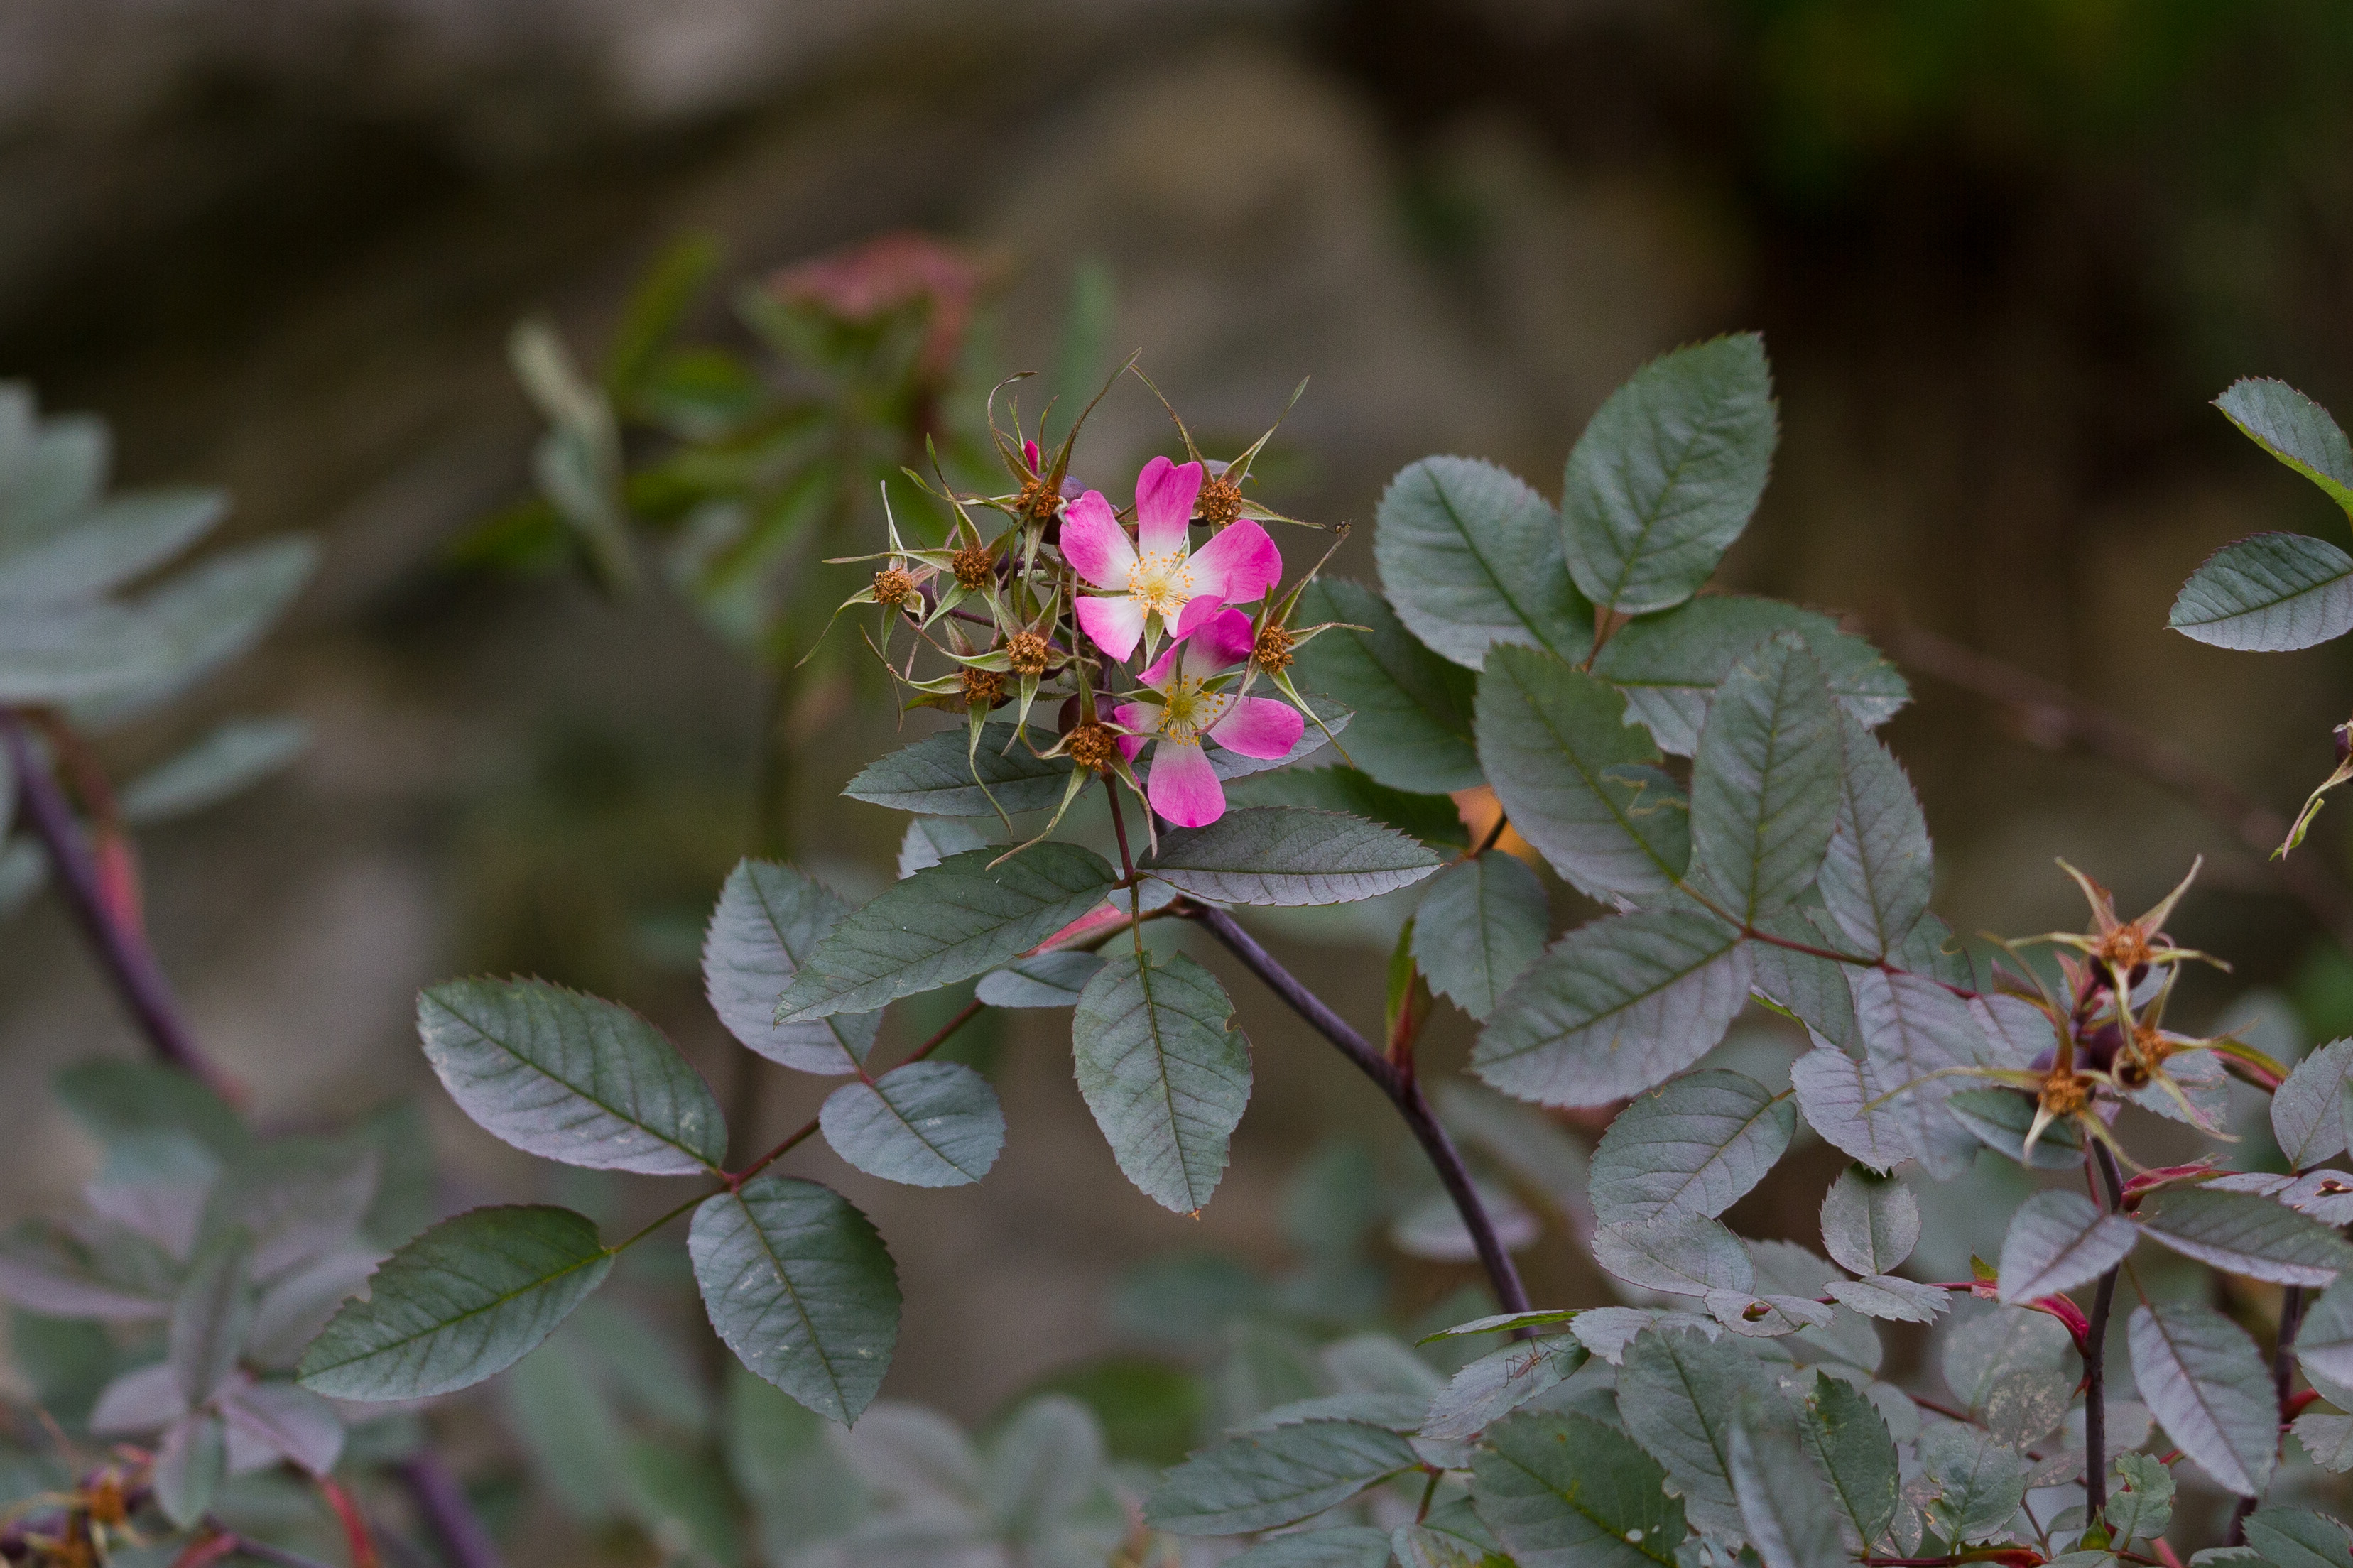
2003,253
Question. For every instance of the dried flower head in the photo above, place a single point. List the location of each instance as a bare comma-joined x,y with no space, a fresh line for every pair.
1092,746
973,565
1026,653
1272,650
2065,1094
893,587
106,1501
982,688
1037,499
1220,502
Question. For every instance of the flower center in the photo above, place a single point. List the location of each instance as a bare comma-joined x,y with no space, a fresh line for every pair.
1161,583
1186,710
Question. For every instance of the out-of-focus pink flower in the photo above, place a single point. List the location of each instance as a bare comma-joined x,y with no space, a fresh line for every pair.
1182,786
1159,573
863,282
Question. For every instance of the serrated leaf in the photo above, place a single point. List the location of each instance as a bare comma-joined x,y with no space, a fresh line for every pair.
45,1270
123,1103
2323,1344
1480,926
1501,1381
1679,1394
1783,1505
233,758
1432,818
1282,855
208,615
1765,794
1841,1099
2144,1505
1915,1033
933,777
465,1299
1164,1073
190,1463
1262,1479
211,1316
1576,781
1505,1322
1343,1546
1668,472
1688,1256
1890,1298
1695,1146
1806,987
1848,1437
296,1198
2296,1537
2269,593
2059,1240
2329,1439
927,1124
959,919
2000,1118
1471,557
768,919
1614,1007
108,546
570,1078
1876,876
2241,1234
2307,1109
802,1290
1669,665
2203,1380
1982,1482
2298,431
2015,1370
931,840
1413,707
1049,980
1566,1492
1869,1222
292,1421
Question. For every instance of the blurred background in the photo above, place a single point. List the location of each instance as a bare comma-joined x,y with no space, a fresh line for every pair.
2002,253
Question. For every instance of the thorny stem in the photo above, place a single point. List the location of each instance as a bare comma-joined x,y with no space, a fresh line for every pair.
1397,1082
2282,1384
2095,1357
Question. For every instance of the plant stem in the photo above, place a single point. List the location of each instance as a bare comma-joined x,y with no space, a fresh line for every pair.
439,1498
2096,1356
2282,1384
1403,1090
129,961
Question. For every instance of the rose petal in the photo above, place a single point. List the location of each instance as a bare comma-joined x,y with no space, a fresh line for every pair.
1239,566
1196,611
1093,541
1164,494
1141,717
1115,620
1225,639
1183,786
1259,727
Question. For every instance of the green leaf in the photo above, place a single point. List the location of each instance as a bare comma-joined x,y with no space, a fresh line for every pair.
569,1430
2013,1369
233,758
44,1269
1848,1437
289,1422
655,308
2298,431
1689,1256
2269,593
1869,1222
932,776
1262,1479
1890,1298
768,920
1983,1481
1413,707
75,652
1164,1073
2307,1110
1765,793
1480,926
1670,665
2328,1438
1579,783
2239,1233
1506,1323
1614,1007
959,919
1783,1503
211,1318
570,1078
1914,1029
55,471
1280,854
2323,1344
1501,1381
1049,980
108,546
1471,557
2059,1240
2143,1507
681,1499
1667,474
1679,1394
1345,1546
215,611
1876,877
1566,1492
2205,1383
2000,1118
1695,1146
1432,818
1041,1470
2297,1538
467,1298
123,1104
928,1124
802,1290
798,1486
190,1465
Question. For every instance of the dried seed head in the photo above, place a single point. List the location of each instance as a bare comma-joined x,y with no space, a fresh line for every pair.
1220,502
982,688
1273,650
973,565
105,1500
1027,652
2063,1094
1092,746
1036,499
893,587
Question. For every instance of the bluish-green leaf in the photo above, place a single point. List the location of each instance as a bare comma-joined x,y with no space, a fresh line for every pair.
1765,793
1848,1437
214,611
2143,1505
120,1103
1668,472
465,1299
1282,855
1566,1492
928,1124
1164,1072
2205,1383
1613,1009
1685,1256
2268,593
2297,1538
1432,818
1670,665
1480,926
211,1316
1695,1146
2240,1234
1983,1482
1049,980
1262,1479
1890,1298
2298,431
934,778
959,919
1412,729
1343,1546
109,545
802,1290
236,756
1913,1033
2059,1240
2308,1110
190,1463
1783,1505
1869,1222
1877,873
1679,1394
1471,557
570,1078
2323,1344
1501,1381
768,920
2000,1118
1579,783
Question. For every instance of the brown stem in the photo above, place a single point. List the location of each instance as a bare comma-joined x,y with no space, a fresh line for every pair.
2055,719
2283,1385
465,1540
1403,1090
2095,1357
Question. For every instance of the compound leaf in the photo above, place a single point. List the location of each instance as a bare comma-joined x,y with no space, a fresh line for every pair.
1670,665
1471,557
1164,1071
